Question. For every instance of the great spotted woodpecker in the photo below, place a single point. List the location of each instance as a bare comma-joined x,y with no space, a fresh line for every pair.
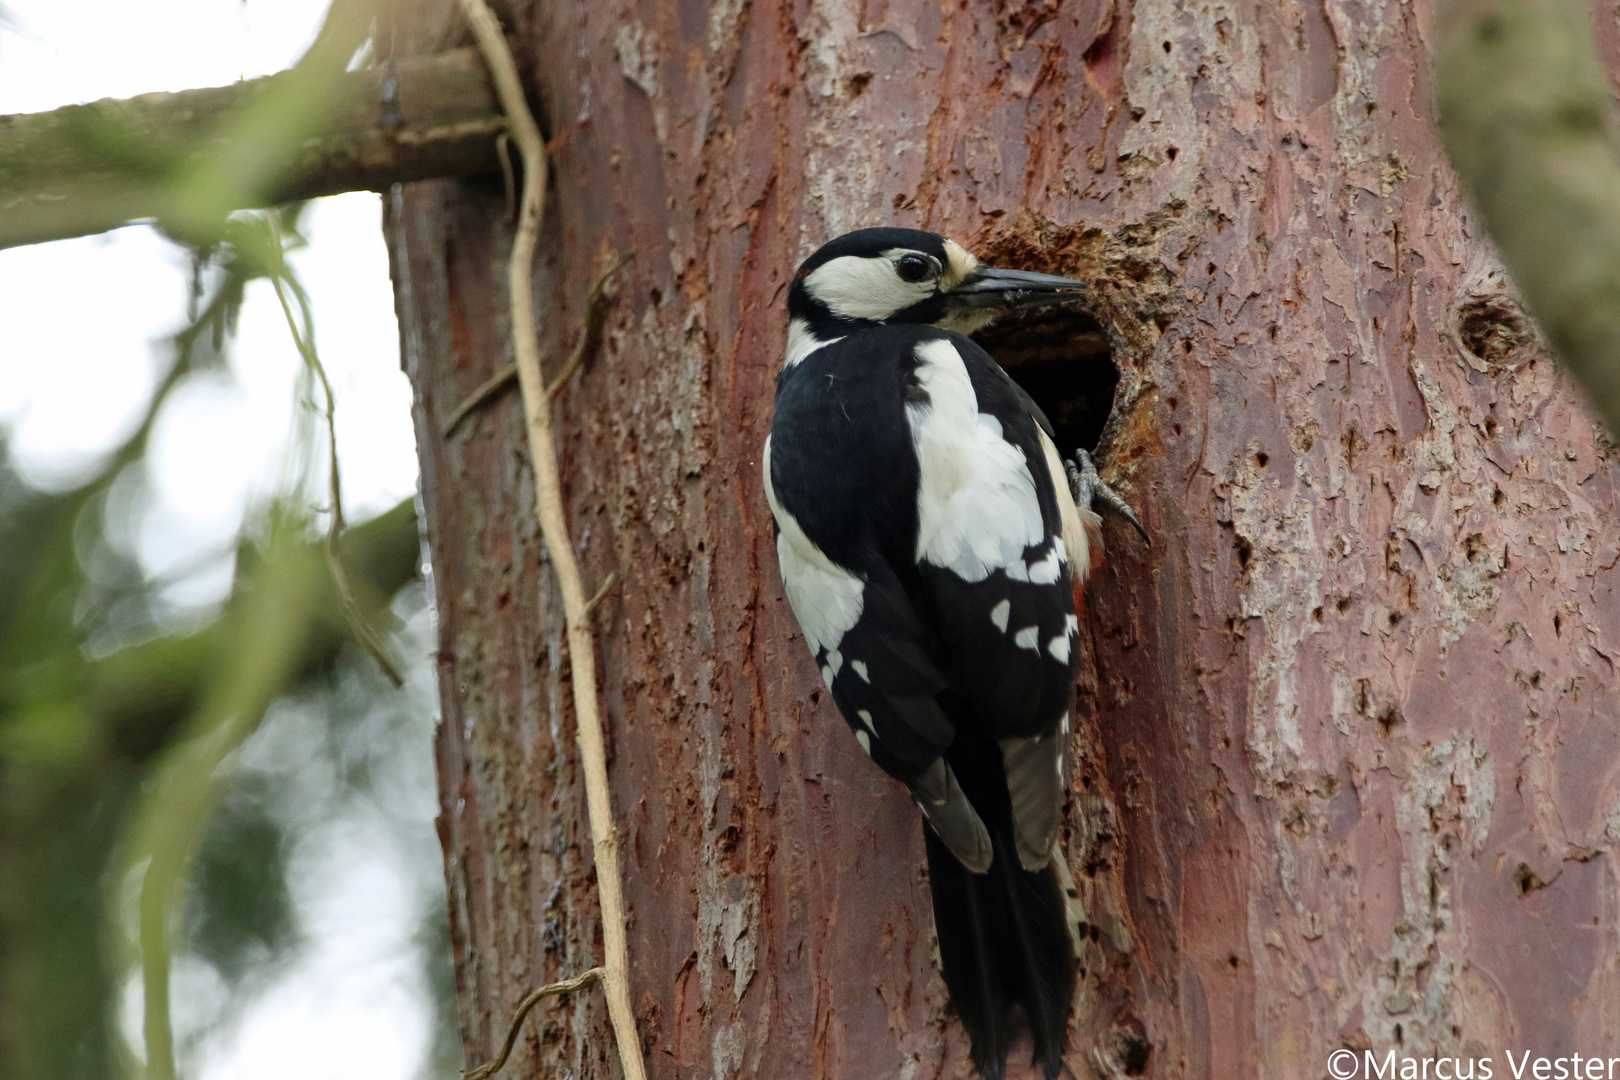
932,542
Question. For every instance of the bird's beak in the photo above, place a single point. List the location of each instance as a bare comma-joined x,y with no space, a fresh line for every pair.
1010,290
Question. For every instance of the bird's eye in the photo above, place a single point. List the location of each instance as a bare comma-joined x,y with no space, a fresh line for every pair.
914,267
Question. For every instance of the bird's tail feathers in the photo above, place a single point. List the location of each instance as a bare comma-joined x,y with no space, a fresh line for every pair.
1004,941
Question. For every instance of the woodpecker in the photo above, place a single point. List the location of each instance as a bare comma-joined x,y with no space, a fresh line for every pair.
932,543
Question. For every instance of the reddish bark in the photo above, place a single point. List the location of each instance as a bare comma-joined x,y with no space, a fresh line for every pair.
1349,773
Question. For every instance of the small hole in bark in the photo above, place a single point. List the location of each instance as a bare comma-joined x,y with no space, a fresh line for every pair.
1558,625
1494,327
858,83
1491,427
1245,552
657,297
1262,459
1497,498
1137,113
1211,269
1233,961
1316,615
1134,1053
1167,46
1389,719
1527,880
1171,152
1343,604
1064,360
1395,618
1176,428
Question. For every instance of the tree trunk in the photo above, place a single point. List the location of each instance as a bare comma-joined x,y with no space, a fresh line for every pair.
1347,772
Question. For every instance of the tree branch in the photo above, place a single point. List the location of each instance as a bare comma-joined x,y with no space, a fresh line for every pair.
554,526
88,168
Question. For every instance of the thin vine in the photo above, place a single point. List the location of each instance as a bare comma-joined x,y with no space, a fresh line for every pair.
525,133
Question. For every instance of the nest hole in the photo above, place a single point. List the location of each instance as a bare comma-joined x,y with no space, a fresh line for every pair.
1062,359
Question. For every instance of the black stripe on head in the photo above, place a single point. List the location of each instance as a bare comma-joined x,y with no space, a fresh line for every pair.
870,242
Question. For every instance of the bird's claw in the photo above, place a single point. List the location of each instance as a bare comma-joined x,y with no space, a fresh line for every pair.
1089,491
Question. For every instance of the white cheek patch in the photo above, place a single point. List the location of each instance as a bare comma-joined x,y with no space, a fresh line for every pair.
826,598
976,505
857,287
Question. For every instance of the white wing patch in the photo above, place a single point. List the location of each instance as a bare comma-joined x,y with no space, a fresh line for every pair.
1000,613
834,664
976,505
1060,645
1043,571
1028,638
826,598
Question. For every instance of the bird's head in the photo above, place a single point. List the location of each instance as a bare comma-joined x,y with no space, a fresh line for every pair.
886,276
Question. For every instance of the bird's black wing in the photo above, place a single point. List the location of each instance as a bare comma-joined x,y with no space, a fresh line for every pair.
841,475
920,539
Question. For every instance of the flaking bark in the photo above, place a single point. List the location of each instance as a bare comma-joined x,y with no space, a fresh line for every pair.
1346,770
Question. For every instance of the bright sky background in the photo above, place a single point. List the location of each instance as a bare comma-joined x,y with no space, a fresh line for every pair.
79,321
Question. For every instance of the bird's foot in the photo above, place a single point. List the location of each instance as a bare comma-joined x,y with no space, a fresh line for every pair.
1089,491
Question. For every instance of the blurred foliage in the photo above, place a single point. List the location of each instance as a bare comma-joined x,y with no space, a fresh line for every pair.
169,776
121,805
1531,126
